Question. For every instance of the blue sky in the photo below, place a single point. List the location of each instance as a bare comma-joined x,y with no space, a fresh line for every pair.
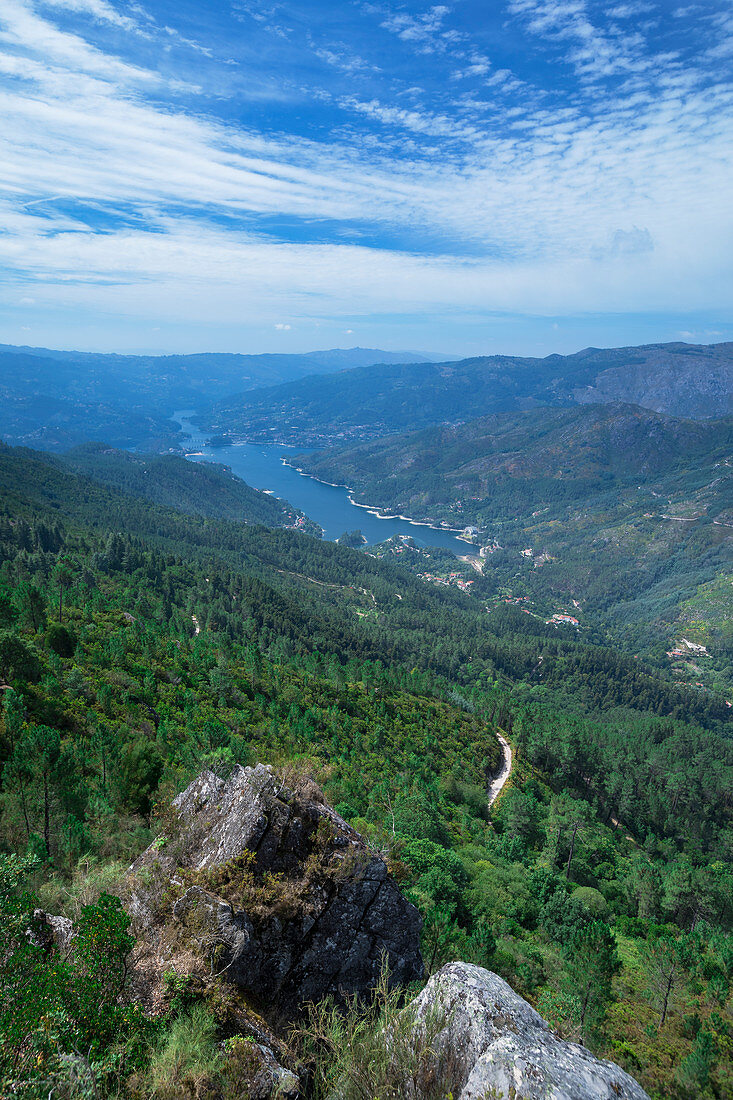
504,175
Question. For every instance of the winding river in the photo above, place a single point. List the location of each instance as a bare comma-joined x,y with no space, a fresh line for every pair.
261,466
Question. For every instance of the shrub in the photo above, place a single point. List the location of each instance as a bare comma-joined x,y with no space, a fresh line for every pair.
60,640
593,900
61,1023
375,1050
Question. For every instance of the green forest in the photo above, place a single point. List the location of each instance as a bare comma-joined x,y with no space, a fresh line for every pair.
141,642
616,514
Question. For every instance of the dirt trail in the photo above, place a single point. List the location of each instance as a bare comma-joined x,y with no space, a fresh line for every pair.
497,784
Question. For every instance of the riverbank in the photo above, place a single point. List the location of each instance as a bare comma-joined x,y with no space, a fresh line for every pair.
374,510
270,466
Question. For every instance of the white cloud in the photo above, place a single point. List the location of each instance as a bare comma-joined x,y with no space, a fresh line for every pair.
339,56
187,269
426,31
21,27
597,53
282,328
97,9
616,201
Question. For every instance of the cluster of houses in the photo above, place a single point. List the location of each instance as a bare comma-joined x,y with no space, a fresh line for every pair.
563,617
456,579
686,649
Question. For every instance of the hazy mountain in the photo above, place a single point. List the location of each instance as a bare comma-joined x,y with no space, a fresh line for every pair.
679,379
362,403
56,399
50,422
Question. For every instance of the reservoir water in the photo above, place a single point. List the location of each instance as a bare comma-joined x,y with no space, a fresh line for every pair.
261,466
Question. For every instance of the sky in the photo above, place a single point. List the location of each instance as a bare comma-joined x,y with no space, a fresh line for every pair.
475,176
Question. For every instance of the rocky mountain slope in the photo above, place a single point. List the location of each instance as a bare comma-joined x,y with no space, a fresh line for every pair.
678,379
293,904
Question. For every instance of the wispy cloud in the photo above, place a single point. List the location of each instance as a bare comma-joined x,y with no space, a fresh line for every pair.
595,178
23,29
97,9
595,52
426,31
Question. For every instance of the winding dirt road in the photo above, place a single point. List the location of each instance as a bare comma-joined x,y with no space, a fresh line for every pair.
497,784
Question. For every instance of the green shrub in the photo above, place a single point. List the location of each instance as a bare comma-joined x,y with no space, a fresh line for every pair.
184,1062
593,900
60,1017
374,1050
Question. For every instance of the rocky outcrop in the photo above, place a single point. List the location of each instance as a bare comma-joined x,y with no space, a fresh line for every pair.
49,931
685,380
491,1039
271,890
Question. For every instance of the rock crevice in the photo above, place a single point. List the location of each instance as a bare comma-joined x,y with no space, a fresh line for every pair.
298,907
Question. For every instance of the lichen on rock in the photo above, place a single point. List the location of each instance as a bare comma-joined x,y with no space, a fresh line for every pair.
498,1046
276,893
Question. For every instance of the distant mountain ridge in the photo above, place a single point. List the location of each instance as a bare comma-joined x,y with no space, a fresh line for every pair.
363,403
54,400
686,380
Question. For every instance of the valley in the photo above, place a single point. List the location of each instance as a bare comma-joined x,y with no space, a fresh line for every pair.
611,513
512,709
271,467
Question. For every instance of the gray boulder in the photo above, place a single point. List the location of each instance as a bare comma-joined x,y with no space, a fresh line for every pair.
274,892
49,931
491,1039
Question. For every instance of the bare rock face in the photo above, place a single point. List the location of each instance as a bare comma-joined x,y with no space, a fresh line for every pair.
494,1040
274,892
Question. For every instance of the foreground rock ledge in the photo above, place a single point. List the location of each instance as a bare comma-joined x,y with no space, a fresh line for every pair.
494,1040
275,892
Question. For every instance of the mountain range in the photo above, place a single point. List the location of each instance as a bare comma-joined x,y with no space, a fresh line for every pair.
691,380
54,400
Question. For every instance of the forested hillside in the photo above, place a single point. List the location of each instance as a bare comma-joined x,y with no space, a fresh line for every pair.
617,515
140,644
574,444
205,489
678,379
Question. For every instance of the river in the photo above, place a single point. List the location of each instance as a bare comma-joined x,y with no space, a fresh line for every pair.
261,466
